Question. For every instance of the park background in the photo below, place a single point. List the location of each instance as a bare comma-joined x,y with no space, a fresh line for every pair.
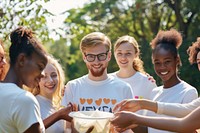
141,19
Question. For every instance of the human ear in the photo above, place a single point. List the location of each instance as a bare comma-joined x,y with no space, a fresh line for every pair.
21,59
178,61
109,56
84,58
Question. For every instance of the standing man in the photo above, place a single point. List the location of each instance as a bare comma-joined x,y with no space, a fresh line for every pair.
96,90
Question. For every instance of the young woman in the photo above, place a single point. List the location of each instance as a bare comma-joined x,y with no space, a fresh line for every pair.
49,96
187,124
131,70
20,109
166,61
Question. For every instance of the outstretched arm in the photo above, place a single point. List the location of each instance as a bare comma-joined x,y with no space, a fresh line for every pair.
172,109
134,105
187,124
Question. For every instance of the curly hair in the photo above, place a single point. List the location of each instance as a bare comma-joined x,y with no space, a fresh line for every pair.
193,50
170,37
169,40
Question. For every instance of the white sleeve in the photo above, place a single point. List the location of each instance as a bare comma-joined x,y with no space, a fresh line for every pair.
25,112
68,95
177,109
190,96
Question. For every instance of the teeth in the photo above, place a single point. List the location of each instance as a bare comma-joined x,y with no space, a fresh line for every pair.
163,73
123,62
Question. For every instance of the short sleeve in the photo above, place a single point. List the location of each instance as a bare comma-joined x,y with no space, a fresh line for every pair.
25,111
190,95
68,95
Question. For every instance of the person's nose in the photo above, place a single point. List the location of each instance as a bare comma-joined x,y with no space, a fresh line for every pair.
49,79
162,65
123,56
96,59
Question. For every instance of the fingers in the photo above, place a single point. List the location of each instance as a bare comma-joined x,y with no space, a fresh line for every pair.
118,106
90,129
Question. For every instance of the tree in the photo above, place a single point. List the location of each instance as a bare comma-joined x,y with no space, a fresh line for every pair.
28,13
141,19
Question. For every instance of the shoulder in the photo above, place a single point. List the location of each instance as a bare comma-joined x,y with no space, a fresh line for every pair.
145,79
113,74
27,98
189,89
185,85
78,80
118,82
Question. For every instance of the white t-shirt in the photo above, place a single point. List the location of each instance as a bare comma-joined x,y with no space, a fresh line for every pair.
140,84
19,109
47,109
91,95
178,110
180,93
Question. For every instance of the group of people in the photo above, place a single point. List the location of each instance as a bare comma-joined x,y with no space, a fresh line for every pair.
39,106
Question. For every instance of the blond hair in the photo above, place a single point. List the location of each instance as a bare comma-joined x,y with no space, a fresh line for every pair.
61,79
93,39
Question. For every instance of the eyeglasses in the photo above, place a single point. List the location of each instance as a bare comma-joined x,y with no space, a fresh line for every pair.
100,57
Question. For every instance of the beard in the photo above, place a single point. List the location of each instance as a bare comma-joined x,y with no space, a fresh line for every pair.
96,73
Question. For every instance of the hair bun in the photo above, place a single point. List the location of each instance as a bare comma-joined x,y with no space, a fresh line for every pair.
21,32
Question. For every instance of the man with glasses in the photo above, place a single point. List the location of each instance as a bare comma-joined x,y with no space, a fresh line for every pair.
96,90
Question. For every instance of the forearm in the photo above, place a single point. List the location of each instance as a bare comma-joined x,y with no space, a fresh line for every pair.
140,129
170,124
175,109
51,120
148,105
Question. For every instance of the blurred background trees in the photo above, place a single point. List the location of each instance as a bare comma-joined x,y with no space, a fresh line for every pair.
141,19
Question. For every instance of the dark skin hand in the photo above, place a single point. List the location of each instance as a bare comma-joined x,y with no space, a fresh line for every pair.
63,114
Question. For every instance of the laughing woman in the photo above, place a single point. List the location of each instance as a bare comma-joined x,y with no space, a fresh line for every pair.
49,96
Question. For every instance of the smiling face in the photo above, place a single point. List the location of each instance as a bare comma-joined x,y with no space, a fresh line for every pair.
97,68
165,65
49,82
29,69
125,55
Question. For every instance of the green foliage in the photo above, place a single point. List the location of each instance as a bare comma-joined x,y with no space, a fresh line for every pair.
141,19
28,13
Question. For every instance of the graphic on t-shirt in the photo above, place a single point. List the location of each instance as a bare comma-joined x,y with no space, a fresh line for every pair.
138,97
102,104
